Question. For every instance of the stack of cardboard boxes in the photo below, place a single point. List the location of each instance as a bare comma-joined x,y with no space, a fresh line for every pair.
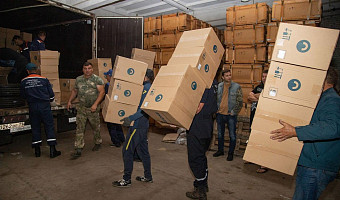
303,12
66,87
294,84
7,34
48,62
162,34
125,89
245,40
179,86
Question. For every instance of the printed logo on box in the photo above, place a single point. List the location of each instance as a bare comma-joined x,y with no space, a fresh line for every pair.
215,48
121,113
303,46
286,34
130,71
206,68
127,93
294,85
278,73
194,85
159,98
105,65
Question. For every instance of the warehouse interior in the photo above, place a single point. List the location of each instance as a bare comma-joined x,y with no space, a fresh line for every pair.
146,34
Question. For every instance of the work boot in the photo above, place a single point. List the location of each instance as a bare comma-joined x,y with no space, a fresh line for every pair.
218,153
96,147
53,152
122,183
37,151
230,157
76,154
143,179
199,194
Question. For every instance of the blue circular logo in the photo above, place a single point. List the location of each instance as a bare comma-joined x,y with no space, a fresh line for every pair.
159,98
206,68
194,85
294,85
121,113
127,93
303,46
105,64
130,71
215,48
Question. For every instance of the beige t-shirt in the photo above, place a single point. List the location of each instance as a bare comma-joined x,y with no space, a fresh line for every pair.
224,102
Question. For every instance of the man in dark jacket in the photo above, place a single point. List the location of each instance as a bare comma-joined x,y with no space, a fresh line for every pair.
38,92
137,140
199,139
38,44
24,46
319,161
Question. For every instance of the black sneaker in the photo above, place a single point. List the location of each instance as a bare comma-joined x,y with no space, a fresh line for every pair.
96,147
76,154
122,183
230,157
218,153
143,179
197,194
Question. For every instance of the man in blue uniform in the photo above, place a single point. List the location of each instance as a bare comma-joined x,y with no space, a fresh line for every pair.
23,46
38,44
199,139
115,130
319,160
137,139
38,92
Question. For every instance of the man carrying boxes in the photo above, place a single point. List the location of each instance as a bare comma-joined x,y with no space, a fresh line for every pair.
90,91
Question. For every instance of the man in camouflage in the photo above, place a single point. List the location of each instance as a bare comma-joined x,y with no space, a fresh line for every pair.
90,91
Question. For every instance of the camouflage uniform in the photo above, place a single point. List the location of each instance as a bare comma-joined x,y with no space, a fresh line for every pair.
87,95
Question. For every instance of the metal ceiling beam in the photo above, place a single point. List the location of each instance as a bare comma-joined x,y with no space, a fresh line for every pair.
159,12
108,4
178,5
199,2
146,7
128,3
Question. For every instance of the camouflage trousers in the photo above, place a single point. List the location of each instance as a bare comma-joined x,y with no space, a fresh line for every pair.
84,114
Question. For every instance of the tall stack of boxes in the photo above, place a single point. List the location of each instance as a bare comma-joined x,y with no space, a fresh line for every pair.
178,88
48,62
162,34
304,12
294,84
6,36
125,89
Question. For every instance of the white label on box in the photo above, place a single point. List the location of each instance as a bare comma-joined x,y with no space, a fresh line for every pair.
199,66
146,104
281,54
115,98
280,42
72,119
272,92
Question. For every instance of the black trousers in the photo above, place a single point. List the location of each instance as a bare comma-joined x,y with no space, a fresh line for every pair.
197,146
41,113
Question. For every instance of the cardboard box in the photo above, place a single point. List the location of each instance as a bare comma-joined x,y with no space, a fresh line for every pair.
166,55
45,57
280,156
50,75
174,95
185,21
67,84
10,33
248,14
125,92
247,54
206,38
270,51
197,58
114,111
301,45
65,96
169,22
48,69
246,73
247,34
246,89
57,97
294,84
154,41
296,10
146,25
144,56
26,36
146,42
101,65
55,85
129,70
167,40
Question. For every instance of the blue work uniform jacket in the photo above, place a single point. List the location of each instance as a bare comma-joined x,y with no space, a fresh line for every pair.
36,89
37,45
321,138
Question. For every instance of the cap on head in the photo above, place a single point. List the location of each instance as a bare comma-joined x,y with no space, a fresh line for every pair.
149,74
31,66
108,73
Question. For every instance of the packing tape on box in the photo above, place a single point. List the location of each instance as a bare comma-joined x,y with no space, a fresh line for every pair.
274,117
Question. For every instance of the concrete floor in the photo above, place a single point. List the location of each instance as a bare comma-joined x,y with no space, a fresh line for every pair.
22,176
